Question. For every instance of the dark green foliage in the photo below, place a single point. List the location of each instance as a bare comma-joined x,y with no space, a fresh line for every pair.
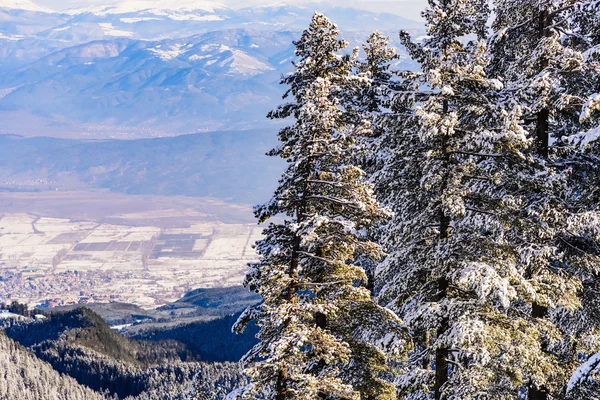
18,308
80,344
215,302
210,341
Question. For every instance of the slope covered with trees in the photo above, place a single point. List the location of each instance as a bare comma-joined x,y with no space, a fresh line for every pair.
25,377
81,345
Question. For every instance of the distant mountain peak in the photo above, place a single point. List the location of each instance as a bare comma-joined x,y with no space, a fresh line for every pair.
27,5
151,6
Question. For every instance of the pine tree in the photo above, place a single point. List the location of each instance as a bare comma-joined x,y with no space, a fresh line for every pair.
372,104
377,62
321,334
544,51
454,175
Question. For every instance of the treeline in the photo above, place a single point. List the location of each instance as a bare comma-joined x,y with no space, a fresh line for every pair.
16,308
440,236
207,341
24,377
81,345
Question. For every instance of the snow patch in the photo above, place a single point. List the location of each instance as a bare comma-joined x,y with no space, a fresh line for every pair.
9,315
244,64
215,47
120,327
584,139
7,91
12,37
196,57
140,19
150,6
583,372
110,30
169,53
194,17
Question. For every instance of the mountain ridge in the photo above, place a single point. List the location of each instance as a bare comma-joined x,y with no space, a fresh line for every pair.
132,69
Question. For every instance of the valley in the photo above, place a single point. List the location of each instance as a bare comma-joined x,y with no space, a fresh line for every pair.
52,256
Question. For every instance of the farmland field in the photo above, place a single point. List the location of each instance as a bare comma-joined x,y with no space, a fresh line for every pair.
147,255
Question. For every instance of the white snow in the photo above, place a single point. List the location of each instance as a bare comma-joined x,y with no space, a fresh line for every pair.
583,372
244,64
193,17
215,47
592,104
135,20
23,5
9,315
150,6
7,91
110,30
12,37
120,327
169,53
196,57
584,139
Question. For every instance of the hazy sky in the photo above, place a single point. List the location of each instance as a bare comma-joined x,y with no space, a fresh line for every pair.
407,8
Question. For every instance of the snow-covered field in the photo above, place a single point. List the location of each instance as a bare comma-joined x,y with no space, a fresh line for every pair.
69,261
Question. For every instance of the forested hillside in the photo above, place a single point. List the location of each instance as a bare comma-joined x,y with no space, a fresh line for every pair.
81,345
25,377
207,340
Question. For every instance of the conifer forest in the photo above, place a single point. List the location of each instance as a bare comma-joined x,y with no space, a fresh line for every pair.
436,233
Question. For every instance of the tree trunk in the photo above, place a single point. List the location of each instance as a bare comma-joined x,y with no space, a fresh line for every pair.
543,139
281,385
441,354
426,344
290,295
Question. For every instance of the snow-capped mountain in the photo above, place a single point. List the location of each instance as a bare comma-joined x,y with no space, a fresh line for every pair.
23,5
153,67
153,6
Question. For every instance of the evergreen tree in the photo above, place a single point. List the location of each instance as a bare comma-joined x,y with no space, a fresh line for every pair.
454,174
373,104
321,334
378,58
545,52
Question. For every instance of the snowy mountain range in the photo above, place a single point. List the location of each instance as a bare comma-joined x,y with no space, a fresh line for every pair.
144,68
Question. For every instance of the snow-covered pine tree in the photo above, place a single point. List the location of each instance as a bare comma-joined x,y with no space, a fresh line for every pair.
545,52
451,273
372,103
585,194
376,64
321,334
